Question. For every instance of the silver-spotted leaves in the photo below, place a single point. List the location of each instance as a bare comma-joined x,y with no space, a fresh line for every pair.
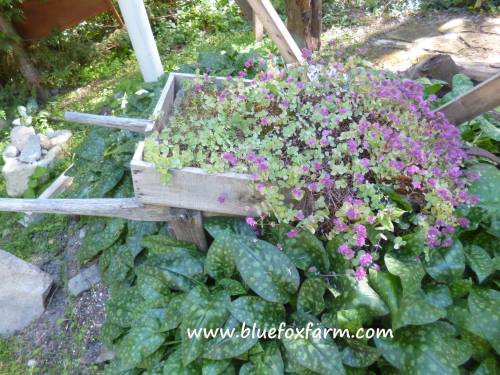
267,271
254,310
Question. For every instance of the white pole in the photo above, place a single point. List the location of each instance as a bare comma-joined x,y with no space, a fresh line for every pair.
143,41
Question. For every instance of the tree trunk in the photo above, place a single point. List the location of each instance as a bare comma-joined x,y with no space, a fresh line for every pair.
27,69
304,22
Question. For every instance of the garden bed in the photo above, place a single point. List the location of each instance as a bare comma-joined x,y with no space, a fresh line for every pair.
190,188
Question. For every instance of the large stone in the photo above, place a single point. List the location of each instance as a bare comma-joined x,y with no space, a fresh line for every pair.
59,137
10,152
84,280
23,289
25,139
19,135
17,176
44,141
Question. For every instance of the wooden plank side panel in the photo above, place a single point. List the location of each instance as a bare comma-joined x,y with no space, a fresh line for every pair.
42,17
192,188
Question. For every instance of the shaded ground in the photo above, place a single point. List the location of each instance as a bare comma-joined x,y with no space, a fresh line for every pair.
65,340
398,43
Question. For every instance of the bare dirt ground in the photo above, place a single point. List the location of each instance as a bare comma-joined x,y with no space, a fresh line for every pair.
397,43
65,340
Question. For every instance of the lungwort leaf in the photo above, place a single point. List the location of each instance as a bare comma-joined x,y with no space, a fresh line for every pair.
425,350
267,271
218,226
202,311
232,344
315,353
254,310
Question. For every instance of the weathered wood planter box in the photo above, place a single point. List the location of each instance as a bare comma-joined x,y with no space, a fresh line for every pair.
190,188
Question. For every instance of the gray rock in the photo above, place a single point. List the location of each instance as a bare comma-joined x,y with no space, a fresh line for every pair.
59,137
84,280
17,175
23,291
44,141
32,150
10,152
19,135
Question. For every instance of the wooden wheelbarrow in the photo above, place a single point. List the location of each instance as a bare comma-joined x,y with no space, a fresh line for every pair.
192,193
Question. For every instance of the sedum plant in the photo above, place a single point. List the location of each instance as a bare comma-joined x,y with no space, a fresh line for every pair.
337,150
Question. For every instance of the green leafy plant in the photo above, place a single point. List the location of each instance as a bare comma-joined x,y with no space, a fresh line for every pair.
434,307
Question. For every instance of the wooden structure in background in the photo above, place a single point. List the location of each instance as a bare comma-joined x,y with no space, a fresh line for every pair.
42,17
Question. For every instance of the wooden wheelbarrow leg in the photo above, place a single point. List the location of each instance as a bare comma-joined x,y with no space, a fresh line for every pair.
480,99
137,125
126,208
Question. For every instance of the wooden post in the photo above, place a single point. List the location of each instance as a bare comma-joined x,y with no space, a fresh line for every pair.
277,31
187,225
143,41
304,22
251,17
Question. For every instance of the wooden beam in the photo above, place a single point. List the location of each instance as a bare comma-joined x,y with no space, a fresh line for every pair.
126,208
277,30
115,13
125,123
482,98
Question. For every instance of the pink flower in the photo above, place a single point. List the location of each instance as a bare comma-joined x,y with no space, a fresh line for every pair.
311,142
365,162
260,187
251,222
372,219
297,193
340,225
312,269
248,63
360,273
365,260
285,103
324,111
346,251
251,156
463,222
313,187
447,243
292,234
221,198
351,213
376,266
230,158
264,121
299,215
